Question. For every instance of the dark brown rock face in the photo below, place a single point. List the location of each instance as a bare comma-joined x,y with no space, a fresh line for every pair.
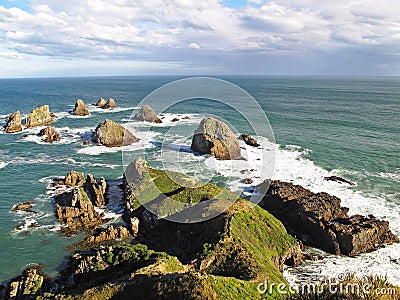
216,138
112,134
39,116
338,179
249,140
26,206
146,113
50,134
80,108
14,123
319,220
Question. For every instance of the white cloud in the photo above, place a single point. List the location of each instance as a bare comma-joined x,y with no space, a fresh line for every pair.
164,30
11,55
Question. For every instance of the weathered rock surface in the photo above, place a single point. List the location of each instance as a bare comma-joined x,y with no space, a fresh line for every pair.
96,190
28,285
75,209
50,134
216,138
74,178
319,220
146,113
110,104
38,117
26,206
14,123
112,134
338,179
101,102
80,108
249,140
134,226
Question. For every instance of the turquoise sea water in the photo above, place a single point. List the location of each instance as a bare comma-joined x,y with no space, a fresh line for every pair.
343,126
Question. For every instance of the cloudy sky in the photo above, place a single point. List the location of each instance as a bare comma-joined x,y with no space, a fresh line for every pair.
134,37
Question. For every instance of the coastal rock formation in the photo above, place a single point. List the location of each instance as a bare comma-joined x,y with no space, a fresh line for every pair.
112,134
75,209
28,285
175,120
146,113
14,123
80,108
319,220
110,104
38,117
134,226
216,138
74,178
50,134
249,140
101,102
26,206
103,236
96,190
338,179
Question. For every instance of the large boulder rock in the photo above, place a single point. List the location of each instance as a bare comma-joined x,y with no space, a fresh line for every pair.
147,114
216,138
101,102
319,220
50,134
14,123
112,134
80,108
110,104
39,116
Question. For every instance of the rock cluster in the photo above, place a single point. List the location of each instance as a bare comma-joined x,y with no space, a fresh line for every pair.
80,108
109,104
39,116
216,138
249,140
50,134
319,220
147,114
13,123
112,134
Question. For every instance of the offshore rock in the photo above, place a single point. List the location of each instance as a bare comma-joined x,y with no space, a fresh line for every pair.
14,123
319,220
50,134
26,206
338,179
112,134
38,117
216,138
110,104
80,108
249,140
146,113
101,102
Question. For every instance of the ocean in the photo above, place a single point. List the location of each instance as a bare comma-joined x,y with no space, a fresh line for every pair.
349,127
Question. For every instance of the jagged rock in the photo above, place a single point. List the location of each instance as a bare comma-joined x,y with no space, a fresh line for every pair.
101,102
292,257
146,113
103,236
319,220
14,123
96,190
175,120
74,178
112,134
75,209
110,104
216,138
50,134
186,118
157,120
134,226
28,285
80,108
26,206
38,117
249,140
338,179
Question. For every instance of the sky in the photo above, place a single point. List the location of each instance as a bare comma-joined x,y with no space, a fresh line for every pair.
191,37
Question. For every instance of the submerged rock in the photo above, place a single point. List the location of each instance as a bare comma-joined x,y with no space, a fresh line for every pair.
112,134
80,108
101,102
338,179
14,123
146,113
110,104
249,140
175,120
319,220
216,138
50,134
26,206
38,117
